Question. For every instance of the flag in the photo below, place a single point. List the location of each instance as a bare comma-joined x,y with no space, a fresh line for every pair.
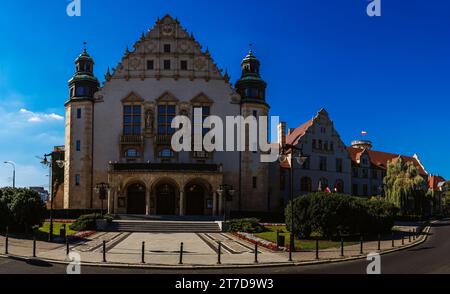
364,133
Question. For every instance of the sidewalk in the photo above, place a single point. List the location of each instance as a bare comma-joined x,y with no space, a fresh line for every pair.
126,250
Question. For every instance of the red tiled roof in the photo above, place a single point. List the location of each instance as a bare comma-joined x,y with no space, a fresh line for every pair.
295,136
380,159
433,182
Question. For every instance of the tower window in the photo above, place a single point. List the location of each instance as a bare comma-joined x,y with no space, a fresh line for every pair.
77,180
132,117
166,64
82,91
167,48
150,65
78,113
184,65
78,145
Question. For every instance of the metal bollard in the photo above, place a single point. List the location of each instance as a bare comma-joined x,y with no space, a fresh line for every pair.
256,253
393,239
342,247
414,234
67,246
379,242
317,249
181,253
361,250
219,253
143,253
7,240
34,246
403,239
104,251
409,236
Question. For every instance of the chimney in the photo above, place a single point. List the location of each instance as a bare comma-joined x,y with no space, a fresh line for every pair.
282,133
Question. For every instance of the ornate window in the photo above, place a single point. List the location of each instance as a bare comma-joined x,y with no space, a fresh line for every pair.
166,113
305,184
132,119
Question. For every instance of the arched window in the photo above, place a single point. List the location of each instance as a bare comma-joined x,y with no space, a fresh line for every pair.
165,153
305,184
323,184
132,153
339,186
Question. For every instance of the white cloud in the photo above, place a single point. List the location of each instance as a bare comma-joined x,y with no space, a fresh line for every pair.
36,117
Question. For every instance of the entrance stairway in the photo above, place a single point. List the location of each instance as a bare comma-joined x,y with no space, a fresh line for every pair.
149,225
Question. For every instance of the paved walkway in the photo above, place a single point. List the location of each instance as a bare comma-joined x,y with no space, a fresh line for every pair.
198,249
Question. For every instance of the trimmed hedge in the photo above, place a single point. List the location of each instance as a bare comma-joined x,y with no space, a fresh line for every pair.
88,222
245,225
71,213
332,215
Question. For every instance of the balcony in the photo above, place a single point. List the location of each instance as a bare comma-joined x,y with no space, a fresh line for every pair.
165,167
163,139
132,140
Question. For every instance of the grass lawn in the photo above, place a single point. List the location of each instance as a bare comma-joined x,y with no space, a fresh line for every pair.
271,235
43,232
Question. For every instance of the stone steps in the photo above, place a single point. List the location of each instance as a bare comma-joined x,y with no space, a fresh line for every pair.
164,226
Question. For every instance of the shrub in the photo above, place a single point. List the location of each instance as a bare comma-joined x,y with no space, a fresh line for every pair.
86,222
246,225
332,215
21,209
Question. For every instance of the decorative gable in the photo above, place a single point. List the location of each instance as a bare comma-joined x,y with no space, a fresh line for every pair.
132,98
201,99
167,97
167,51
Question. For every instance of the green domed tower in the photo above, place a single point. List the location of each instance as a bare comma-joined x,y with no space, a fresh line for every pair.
251,87
80,134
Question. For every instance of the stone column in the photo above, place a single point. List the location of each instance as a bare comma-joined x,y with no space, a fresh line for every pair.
214,210
221,211
147,201
110,201
181,203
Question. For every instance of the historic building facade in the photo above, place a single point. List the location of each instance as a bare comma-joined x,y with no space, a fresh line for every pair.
334,167
120,133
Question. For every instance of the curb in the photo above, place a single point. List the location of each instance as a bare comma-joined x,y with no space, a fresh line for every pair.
422,239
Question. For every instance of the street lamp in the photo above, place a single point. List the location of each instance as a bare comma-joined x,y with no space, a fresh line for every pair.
226,192
14,171
301,159
102,190
49,164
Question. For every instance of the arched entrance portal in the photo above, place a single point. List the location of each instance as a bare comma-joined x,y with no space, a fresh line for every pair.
195,199
165,199
136,199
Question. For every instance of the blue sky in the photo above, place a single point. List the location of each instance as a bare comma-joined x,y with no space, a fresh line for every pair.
388,75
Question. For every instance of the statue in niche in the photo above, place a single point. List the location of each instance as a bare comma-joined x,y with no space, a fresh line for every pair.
149,120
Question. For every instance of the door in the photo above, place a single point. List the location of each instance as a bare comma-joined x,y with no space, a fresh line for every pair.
195,200
165,200
136,199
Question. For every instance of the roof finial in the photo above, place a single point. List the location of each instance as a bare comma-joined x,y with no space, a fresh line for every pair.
84,45
251,47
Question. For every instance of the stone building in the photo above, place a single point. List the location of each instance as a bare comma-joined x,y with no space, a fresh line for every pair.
328,165
120,133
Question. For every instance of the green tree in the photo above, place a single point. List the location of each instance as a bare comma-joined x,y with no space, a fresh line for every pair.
21,209
446,198
406,188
